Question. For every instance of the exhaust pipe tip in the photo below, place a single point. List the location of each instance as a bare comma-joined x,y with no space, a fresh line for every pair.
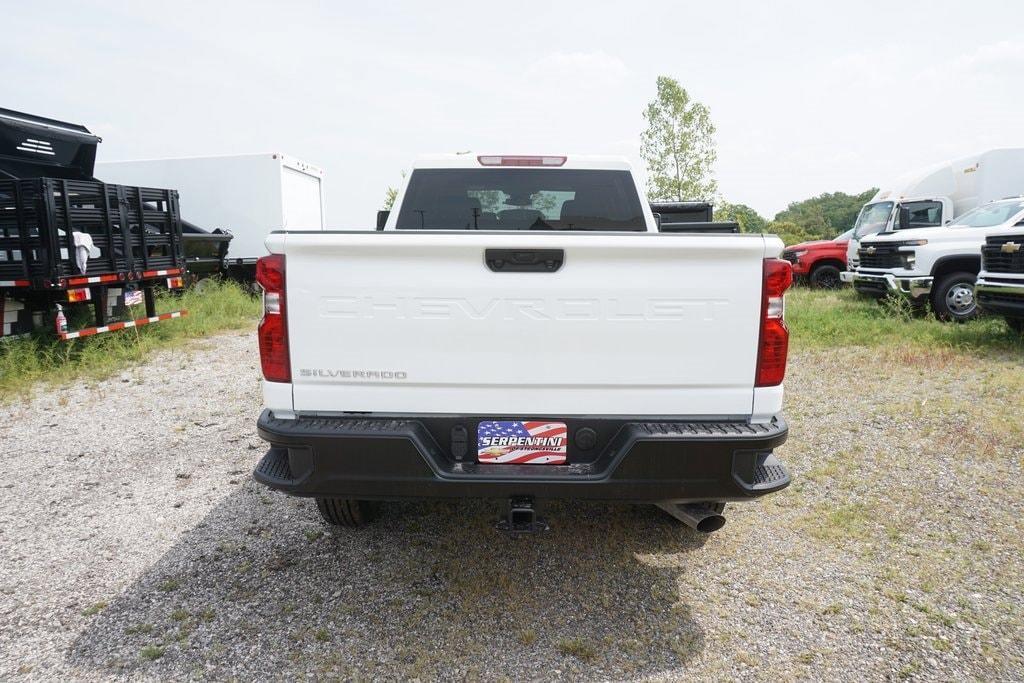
711,523
698,517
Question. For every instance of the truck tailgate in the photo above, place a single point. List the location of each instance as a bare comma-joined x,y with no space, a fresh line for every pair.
416,322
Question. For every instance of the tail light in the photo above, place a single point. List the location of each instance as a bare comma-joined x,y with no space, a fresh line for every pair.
773,344
83,294
273,329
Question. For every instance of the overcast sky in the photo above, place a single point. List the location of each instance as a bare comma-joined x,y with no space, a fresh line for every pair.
807,98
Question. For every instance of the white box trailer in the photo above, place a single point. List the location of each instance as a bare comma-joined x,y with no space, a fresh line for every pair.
965,183
249,195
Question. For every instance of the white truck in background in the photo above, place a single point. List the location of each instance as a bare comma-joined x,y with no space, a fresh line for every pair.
520,329
937,194
924,251
1000,286
248,195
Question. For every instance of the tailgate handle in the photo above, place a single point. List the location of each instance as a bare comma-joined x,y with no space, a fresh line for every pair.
524,260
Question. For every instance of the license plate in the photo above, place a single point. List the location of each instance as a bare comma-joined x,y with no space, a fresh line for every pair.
133,297
522,442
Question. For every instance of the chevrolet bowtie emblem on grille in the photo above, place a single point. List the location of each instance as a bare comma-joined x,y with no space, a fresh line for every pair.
870,250
1010,248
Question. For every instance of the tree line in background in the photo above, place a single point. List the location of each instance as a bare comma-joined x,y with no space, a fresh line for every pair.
678,149
818,218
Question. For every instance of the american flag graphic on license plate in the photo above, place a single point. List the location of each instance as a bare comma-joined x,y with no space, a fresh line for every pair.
533,443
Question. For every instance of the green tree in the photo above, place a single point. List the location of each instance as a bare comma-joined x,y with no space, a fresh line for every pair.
826,215
748,219
678,145
390,195
790,233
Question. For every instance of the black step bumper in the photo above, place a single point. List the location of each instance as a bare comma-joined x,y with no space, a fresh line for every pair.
390,457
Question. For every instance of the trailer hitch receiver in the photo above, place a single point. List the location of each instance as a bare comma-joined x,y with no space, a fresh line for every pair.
521,518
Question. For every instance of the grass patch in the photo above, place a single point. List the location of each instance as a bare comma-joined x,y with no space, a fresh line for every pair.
837,524
94,609
169,585
822,319
527,636
41,358
576,647
151,652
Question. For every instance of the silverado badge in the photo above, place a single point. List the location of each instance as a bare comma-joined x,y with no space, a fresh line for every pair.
1010,248
870,250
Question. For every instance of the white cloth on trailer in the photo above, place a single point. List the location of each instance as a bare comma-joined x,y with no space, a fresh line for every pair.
83,245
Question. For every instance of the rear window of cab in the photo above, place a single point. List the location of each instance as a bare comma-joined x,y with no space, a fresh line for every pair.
521,199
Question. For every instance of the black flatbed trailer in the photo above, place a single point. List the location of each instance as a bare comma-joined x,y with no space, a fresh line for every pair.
67,238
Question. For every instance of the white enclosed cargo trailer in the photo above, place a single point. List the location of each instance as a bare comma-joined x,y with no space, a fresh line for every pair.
249,195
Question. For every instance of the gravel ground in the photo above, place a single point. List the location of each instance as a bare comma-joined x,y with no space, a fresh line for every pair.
134,544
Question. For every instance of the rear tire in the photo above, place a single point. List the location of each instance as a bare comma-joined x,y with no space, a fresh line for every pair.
825,276
953,298
345,512
1016,324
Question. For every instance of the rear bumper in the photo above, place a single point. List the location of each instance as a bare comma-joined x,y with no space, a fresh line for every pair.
880,284
390,457
1000,298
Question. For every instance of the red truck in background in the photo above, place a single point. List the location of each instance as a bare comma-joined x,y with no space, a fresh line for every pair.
819,262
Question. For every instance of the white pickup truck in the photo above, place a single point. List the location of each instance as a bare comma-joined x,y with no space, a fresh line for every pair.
1000,286
520,329
936,265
